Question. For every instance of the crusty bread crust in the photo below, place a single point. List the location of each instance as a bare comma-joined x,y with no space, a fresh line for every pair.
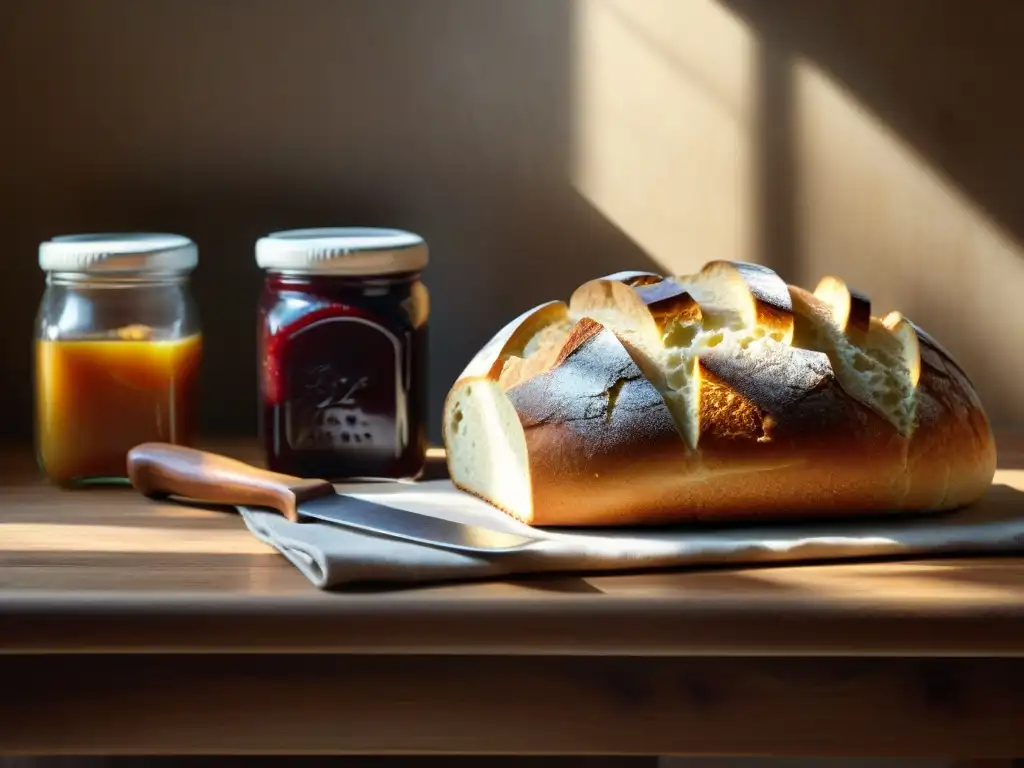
512,339
600,455
778,436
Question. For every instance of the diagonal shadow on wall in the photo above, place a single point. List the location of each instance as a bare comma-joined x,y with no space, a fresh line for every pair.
461,119
910,140
941,73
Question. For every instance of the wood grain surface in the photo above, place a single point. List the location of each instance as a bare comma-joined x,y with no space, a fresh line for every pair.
107,570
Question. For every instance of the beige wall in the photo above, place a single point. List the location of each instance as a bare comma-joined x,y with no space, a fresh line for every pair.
535,143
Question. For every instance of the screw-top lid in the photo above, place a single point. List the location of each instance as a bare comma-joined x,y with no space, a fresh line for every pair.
343,251
119,252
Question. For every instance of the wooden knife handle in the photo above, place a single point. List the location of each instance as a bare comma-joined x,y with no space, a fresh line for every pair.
163,469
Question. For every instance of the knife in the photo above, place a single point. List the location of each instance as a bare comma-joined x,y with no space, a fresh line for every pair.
159,470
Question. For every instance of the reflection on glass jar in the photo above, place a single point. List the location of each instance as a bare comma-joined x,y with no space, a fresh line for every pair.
343,324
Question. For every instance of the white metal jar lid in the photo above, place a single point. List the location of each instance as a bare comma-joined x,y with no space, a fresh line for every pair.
343,251
119,252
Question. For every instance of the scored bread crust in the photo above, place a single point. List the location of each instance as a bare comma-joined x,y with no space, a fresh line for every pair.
591,438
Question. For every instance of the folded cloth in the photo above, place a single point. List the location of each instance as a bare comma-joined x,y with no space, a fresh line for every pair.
332,556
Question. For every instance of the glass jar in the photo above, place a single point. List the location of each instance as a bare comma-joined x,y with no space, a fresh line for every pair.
117,352
342,353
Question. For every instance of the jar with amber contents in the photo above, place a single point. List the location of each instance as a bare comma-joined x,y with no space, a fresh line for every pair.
343,353
117,352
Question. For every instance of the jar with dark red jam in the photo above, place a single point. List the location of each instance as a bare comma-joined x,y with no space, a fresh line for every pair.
343,353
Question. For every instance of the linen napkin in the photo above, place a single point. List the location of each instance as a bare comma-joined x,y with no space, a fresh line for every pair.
332,557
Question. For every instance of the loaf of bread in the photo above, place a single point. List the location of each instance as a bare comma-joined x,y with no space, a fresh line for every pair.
725,395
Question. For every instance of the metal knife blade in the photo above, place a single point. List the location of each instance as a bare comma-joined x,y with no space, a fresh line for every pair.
383,520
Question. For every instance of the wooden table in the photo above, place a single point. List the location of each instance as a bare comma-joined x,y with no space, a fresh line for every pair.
129,626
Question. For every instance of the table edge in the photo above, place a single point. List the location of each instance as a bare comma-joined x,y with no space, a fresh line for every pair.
573,625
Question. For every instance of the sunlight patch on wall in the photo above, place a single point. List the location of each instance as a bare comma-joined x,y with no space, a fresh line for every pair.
877,213
662,113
